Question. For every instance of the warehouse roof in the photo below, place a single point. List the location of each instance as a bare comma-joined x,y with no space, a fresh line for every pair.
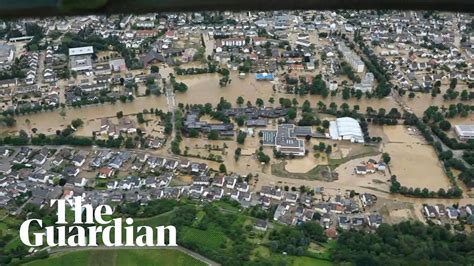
81,50
465,130
346,128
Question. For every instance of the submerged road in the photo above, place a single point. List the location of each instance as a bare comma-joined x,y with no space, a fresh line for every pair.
171,101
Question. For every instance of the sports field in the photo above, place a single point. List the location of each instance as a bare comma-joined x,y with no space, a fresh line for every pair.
119,257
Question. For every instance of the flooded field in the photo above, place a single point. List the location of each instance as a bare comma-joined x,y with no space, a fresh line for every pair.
413,161
225,149
305,164
205,88
49,122
422,101
347,175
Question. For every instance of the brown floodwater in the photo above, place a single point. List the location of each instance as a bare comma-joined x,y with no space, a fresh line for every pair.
246,163
303,165
414,162
48,122
202,89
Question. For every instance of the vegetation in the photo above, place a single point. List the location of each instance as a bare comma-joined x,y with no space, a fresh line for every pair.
178,86
222,168
396,187
119,258
404,244
262,157
295,241
74,5
241,137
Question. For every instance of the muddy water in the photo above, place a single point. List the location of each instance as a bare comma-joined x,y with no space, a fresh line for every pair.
303,165
424,100
48,122
205,88
413,162
246,164
202,89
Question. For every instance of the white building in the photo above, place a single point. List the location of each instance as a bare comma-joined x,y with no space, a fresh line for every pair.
346,128
232,42
464,132
351,58
7,53
80,58
366,84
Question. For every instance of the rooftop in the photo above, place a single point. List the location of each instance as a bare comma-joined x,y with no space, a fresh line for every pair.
81,50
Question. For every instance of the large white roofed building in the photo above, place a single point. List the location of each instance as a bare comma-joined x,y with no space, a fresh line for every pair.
81,50
80,58
285,140
346,128
464,132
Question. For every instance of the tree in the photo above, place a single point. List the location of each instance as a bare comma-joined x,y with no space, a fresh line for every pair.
154,69
306,106
329,149
213,135
77,123
346,93
237,153
291,113
240,100
445,155
129,143
262,157
445,125
453,83
411,95
140,118
240,120
294,102
119,114
259,102
222,168
325,124
193,133
386,157
241,137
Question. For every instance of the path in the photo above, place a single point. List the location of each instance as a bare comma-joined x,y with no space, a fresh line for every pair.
171,101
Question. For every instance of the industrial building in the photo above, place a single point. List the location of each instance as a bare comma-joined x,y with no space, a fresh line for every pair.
285,140
80,58
464,132
346,128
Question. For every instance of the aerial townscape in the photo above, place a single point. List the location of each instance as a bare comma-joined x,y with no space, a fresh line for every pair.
266,138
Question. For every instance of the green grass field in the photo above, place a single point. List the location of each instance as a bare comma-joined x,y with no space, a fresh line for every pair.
307,261
124,257
209,238
162,219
